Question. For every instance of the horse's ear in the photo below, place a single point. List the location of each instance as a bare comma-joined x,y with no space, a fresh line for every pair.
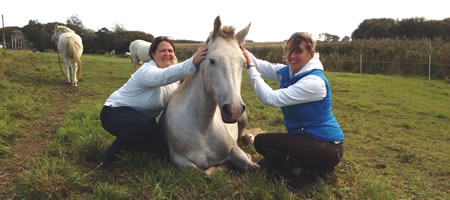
217,25
242,34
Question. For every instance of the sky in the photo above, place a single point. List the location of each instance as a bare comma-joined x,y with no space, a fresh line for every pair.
271,21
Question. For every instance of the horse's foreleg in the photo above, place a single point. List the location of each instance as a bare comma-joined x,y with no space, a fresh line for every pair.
183,163
241,160
242,123
135,62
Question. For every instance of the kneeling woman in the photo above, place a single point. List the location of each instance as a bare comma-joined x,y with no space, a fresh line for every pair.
130,112
313,143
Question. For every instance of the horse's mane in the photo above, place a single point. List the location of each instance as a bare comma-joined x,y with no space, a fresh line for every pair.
227,32
59,27
187,81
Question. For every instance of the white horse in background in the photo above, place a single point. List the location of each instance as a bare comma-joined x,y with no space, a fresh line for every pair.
70,46
205,115
139,51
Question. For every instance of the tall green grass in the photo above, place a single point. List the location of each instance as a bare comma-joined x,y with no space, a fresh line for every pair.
386,56
21,94
396,145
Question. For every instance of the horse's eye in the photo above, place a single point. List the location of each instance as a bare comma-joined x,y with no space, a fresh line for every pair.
212,61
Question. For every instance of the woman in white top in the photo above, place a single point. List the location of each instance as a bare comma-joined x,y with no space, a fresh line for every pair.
130,112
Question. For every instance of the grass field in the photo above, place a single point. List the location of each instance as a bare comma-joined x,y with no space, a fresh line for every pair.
52,143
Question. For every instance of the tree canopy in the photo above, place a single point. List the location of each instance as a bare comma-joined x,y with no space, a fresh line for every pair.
38,36
410,28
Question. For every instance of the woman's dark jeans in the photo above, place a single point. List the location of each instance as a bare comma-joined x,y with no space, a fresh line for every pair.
310,154
133,130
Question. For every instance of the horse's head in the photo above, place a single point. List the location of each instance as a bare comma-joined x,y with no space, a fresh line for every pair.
56,33
222,70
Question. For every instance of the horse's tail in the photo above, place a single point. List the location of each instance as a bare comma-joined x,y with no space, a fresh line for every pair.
78,60
75,53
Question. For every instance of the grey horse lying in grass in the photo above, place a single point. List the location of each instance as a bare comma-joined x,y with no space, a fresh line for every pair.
206,113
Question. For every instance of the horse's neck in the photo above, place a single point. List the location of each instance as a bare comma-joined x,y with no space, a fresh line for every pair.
65,30
202,101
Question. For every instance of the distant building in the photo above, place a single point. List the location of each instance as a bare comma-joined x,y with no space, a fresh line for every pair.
17,40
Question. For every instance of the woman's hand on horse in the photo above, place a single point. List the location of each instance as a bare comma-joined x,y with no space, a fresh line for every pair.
247,58
200,55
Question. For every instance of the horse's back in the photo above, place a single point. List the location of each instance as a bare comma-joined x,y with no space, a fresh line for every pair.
140,49
70,45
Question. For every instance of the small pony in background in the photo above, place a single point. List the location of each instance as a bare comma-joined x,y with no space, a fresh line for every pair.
139,51
70,46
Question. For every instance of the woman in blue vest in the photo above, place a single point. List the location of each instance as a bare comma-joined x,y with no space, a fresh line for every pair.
313,143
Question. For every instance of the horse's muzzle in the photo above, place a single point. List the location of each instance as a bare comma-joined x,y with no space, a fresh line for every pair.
231,114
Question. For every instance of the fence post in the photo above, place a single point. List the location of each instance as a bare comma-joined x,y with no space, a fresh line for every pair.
360,63
4,41
429,66
429,60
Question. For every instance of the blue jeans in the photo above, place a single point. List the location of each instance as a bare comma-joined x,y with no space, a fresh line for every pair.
133,130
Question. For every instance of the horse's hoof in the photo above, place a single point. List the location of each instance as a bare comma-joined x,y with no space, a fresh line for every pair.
249,138
210,171
253,166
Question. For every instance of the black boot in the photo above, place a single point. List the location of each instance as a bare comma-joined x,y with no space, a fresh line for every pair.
112,154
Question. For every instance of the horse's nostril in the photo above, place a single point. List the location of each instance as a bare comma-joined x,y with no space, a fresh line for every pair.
226,108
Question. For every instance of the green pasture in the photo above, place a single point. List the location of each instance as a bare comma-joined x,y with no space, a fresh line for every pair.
397,143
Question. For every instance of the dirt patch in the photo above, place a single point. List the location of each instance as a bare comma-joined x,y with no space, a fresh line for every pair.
253,131
249,135
36,137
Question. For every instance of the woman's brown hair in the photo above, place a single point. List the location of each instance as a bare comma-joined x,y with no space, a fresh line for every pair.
296,39
156,42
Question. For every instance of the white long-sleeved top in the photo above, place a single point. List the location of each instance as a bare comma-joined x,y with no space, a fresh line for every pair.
308,89
149,88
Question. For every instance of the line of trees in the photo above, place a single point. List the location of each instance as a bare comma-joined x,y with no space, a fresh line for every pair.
411,28
37,36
